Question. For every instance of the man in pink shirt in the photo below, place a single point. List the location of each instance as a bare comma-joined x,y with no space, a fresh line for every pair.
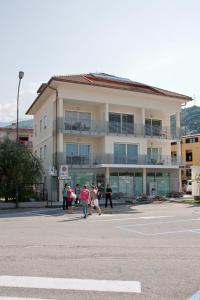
85,197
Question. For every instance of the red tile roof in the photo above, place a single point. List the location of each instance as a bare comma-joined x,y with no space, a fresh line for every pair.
109,81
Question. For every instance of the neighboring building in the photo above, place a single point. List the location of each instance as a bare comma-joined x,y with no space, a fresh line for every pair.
25,135
108,130
190,151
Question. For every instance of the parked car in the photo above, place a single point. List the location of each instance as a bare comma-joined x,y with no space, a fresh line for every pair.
188,187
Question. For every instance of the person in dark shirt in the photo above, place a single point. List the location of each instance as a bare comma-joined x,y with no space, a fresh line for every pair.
108,196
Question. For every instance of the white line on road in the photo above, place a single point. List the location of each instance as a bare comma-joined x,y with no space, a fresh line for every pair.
195,296
124,219
71,284
19,298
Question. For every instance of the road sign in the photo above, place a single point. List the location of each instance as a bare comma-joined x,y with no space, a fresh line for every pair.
64,172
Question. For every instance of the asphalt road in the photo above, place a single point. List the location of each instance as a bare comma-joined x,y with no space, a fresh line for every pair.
157,245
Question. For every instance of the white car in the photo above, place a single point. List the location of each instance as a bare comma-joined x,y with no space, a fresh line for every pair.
188,187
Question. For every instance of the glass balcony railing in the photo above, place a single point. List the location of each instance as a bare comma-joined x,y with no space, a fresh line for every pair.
101,159
95,127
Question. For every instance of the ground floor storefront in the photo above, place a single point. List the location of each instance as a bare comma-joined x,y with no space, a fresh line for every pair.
127,183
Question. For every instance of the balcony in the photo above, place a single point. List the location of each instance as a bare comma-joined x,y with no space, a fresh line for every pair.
111,159
102,128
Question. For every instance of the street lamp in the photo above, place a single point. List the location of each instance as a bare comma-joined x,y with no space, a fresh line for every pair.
21,75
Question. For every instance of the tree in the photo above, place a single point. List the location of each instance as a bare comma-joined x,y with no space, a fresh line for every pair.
18,168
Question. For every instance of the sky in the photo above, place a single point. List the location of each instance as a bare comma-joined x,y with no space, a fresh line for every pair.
156,42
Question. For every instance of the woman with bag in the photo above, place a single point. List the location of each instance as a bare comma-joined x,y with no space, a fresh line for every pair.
95,200
70,197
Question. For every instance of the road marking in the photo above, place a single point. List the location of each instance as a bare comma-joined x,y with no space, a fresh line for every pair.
129,227
158,233
195,296
124,219
71,284
19,298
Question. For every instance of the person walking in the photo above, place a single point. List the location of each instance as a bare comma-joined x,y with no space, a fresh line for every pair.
65,204
85,197
94,200
108,196
69,199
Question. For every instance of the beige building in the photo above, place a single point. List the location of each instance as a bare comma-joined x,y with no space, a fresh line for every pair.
107,130
25,135
190,152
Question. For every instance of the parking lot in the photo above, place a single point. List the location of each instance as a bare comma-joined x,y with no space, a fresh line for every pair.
131,252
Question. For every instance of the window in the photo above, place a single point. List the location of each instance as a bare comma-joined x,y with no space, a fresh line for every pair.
40,126
173,143
174,156
45,151
75,120
191,140
121,123
40,152
188,172
45,122
154,155
188,155
125,153
77,153
153,127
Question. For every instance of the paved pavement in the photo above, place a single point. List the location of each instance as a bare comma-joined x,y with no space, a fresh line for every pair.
132,252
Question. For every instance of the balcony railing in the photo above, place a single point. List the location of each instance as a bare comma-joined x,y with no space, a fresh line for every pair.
93,127
99,159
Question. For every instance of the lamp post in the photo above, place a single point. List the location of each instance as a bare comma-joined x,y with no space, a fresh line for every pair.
21,75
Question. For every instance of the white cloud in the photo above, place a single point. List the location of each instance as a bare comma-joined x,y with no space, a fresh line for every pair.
8,111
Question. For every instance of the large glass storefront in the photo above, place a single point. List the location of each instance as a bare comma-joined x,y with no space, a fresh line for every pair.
158,183
127,184
85,177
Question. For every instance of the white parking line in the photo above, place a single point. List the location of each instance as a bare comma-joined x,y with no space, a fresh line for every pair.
129,228
71,284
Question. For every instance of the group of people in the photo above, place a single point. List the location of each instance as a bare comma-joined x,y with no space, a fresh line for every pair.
89,198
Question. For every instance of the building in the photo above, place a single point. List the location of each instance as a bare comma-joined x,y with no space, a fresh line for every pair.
107,129
25,135
190,146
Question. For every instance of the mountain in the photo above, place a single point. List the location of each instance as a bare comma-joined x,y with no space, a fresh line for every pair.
22,124
190,120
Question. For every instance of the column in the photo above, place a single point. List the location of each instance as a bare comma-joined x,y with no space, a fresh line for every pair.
180,180
107,175
144,181
60,144
106,112
178,124
143,122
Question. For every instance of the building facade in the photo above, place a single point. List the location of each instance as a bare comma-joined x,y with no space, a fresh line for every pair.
25,135
190,146
107,130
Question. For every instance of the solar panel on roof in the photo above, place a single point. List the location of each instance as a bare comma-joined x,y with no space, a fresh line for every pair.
110,77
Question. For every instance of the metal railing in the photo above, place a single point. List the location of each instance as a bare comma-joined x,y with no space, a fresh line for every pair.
95,127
